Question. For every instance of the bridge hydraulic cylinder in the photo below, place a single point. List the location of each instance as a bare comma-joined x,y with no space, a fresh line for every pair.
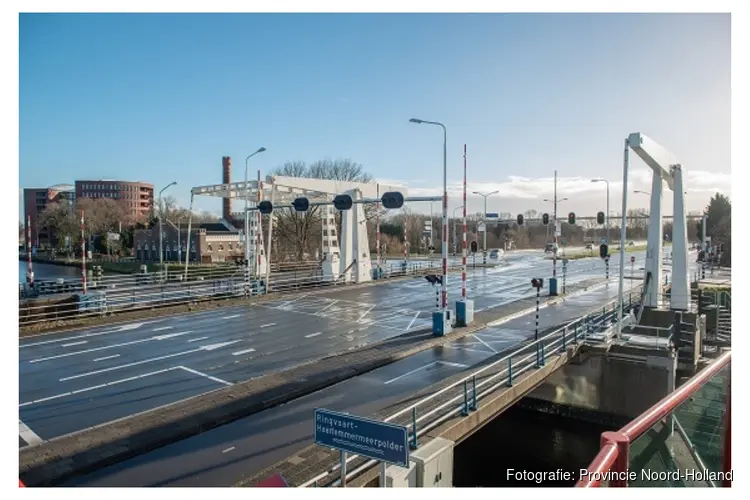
680,294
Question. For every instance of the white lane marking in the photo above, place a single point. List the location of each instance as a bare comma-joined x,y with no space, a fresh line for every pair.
103,348
27,434
409,373
267,325
246,351
292,301
162,328
366,313
312,335
94,387
450,363
326,307
198,339
123,328
228,449
413,320
75,343
196,372
108,357
232,316
210,347
466,348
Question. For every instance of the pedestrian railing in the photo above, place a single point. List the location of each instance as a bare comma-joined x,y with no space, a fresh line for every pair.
465,395
634,455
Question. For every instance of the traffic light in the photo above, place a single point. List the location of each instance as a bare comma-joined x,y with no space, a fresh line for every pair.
301,204
265,207
342,202
473,247
571,218
392,199
519,219
603,251
600,218
537,282
545,219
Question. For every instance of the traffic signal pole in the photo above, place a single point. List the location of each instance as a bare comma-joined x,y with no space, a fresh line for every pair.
554,236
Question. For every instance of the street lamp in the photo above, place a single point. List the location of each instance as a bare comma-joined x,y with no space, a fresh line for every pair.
247,218
607,219
484,243
161,232
444,284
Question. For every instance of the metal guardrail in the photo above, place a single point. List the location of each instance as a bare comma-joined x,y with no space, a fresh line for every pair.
146,292
614,453
471,389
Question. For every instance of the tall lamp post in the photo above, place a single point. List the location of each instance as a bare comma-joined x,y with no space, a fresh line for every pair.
554,202
161,231
247,218
607,218
444,284
484,217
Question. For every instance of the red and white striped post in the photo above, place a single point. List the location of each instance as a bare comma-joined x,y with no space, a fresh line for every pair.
406,242
30,272
463,252
377,227
258,226
83,255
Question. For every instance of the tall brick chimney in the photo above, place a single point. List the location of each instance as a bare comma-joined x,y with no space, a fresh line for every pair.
226,170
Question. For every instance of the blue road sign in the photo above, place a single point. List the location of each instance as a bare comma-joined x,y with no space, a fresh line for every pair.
492,215
370,438
603,241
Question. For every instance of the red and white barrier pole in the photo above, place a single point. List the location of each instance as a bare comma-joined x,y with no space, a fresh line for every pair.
30,274
406,242
83,254
377,226
463,252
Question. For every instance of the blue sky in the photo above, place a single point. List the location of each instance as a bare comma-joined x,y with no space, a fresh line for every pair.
162,97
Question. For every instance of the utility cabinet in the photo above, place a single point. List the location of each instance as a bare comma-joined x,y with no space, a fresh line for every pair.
430,466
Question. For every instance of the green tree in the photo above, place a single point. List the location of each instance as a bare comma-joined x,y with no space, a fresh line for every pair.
719,225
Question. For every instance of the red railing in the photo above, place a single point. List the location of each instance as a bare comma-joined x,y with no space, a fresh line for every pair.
615,446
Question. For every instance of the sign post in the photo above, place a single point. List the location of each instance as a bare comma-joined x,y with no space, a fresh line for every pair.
388,443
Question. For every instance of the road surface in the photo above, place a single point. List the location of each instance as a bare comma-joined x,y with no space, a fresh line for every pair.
75,380
227,454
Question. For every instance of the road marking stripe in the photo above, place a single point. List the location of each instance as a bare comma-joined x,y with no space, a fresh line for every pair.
366,313
87,389
75,343
103,348
107,357
409,373
123,328
326,307
196,372
269,324
228,449
210,347
413,320
312,335
232,316
246,351
196,340
27,434
162,328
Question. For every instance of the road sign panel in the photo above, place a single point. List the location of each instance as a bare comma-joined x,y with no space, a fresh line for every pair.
603,241
481,227
492,215
370,438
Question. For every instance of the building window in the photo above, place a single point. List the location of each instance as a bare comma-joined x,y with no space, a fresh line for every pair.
221,247
210,249
230,246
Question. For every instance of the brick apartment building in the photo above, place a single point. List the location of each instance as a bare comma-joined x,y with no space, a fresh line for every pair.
35,200
138,197
209,242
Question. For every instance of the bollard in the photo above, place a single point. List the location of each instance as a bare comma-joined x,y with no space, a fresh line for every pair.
413,444
564,346
510,371
473,406
465,410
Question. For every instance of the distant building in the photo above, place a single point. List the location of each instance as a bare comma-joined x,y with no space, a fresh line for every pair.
138,197
209,242
35,200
